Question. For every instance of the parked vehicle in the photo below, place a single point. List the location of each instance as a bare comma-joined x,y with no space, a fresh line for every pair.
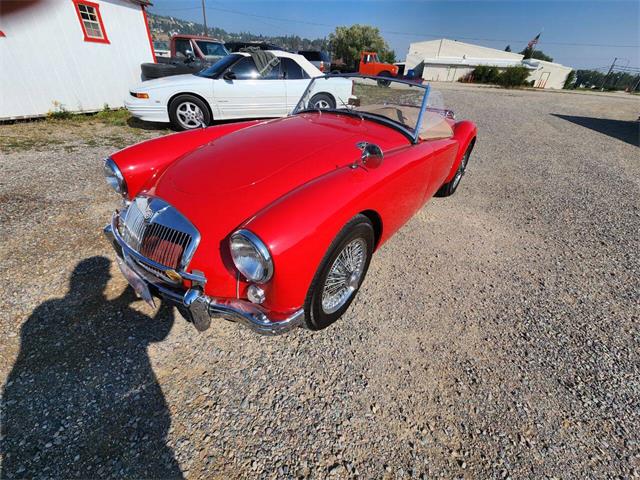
232,88
188,54
320,59
369,65
273,223
238,46
161,49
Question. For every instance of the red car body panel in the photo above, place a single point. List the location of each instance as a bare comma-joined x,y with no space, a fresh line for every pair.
143,162
290,181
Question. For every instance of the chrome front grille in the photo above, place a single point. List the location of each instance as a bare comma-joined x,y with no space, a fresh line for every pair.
159,232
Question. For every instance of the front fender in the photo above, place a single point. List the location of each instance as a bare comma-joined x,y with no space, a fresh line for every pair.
141,163
464,132
299,227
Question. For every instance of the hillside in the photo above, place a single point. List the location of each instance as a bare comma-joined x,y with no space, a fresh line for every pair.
163,27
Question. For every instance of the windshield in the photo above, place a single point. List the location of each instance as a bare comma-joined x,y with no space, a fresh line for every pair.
411,107
160,45
212,49
215,70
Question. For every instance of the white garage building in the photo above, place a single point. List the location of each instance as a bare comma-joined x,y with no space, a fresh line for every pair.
76,55
448,61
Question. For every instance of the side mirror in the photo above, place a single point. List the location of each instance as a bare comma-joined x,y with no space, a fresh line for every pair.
190,56
371,157
229,75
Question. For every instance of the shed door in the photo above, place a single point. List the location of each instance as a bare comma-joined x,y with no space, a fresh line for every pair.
543,79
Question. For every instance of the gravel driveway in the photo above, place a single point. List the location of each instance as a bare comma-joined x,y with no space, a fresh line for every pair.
496,335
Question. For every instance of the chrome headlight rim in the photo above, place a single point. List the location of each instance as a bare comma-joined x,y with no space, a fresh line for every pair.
262,255
114,177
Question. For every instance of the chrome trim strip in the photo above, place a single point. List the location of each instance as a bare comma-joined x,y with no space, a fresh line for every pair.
423,107
242,312
128,251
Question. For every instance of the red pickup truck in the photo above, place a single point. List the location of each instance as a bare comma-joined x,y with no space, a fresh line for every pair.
188,54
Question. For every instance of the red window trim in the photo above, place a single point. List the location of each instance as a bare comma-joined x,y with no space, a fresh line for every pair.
146,24
87,38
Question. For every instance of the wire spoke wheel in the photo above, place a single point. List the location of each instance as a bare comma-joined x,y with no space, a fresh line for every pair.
461,169
344,275
190,115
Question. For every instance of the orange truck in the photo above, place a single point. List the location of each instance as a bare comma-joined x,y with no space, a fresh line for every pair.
370,64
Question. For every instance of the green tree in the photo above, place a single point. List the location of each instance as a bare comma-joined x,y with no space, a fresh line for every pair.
537,54
347,43
570,82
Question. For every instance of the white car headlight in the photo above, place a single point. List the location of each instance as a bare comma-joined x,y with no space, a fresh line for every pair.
114,177
251,256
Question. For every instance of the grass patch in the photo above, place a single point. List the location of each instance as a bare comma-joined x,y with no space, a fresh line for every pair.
117,117
22,143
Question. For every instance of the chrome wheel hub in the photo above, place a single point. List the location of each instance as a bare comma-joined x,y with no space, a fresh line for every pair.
344,275
190,115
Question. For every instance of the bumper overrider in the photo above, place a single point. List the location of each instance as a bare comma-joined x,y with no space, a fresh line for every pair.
192,303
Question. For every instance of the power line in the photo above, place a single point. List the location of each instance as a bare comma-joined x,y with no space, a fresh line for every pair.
412,34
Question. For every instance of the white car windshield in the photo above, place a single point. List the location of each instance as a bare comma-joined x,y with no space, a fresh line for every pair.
413,107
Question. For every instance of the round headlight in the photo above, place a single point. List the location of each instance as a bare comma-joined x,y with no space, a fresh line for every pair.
251,256
114,177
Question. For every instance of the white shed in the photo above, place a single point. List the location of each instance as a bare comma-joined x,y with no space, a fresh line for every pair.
547,74
448,61
78,55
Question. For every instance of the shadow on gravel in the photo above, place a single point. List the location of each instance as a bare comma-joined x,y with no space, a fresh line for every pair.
134,122
82,400
627,131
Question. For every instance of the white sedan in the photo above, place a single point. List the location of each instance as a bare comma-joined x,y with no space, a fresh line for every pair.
233,88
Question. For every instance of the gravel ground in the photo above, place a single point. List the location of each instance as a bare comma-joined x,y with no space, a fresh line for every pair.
496,334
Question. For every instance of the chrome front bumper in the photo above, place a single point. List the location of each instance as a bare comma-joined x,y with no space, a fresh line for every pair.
193,304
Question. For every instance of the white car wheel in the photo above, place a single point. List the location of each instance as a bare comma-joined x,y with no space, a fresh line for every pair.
188,112
189,115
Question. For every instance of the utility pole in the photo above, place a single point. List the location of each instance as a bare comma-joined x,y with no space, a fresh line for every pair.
604,82
204,16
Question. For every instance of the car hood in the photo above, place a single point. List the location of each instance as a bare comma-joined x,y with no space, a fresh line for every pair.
171,81
222,184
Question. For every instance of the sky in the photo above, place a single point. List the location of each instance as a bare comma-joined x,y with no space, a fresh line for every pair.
580,34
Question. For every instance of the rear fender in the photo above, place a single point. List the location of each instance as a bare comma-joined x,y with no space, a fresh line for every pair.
141,163
464,132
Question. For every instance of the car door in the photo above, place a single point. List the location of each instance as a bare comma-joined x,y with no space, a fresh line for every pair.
296,81
249,94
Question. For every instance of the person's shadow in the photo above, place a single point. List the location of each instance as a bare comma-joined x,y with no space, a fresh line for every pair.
82,400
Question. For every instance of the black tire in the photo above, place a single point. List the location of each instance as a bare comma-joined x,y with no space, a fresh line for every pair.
184,116
358,230
324,99
382,82
449,188
157,70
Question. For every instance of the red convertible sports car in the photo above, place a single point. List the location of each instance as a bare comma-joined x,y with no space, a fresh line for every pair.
272,223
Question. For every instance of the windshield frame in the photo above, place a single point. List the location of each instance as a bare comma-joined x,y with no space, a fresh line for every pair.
414,135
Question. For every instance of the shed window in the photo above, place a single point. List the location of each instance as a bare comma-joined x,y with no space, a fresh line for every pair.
91,21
